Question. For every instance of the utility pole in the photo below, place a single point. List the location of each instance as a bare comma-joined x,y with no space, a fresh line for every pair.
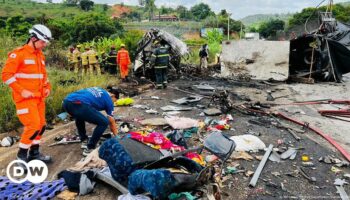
240,34
228,26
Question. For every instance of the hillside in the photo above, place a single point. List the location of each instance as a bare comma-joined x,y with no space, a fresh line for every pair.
345,3
119,10
31,9
256,19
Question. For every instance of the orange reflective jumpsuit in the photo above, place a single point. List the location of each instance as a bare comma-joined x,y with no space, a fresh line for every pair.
25,69
123,61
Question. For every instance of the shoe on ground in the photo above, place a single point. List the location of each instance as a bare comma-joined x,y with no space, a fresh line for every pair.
35,154
40,156
84,145
21,165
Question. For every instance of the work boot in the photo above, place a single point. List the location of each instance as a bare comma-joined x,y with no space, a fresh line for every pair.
22,155
34,154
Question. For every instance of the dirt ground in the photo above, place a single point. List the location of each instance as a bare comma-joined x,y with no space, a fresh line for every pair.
277,180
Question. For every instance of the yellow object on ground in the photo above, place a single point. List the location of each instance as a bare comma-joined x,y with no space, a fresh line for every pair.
124,102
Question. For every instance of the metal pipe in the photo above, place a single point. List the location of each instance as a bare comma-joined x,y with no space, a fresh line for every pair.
258,171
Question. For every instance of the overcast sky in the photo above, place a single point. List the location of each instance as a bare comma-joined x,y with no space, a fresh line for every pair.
238,8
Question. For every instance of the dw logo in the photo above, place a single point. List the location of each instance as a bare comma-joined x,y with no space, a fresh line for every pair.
34,171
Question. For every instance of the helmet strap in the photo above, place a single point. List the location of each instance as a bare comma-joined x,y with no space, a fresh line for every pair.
33,41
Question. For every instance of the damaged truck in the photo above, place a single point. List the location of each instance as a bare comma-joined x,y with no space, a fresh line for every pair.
143,66
321,55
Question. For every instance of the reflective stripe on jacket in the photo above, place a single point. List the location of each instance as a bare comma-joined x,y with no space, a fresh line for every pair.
112,57
161,56
25,69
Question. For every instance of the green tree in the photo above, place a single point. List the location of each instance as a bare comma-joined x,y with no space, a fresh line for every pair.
2,24
133,15
105,7
220,21
253,29
90,26
164,10
201,11
300,18
223,13
71,2
86,5
184,13
340,12
17,26
271,27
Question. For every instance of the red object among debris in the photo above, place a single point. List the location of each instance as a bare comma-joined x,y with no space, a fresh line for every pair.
319,132
345,112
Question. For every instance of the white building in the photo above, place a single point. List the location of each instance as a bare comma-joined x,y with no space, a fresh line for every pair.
252,36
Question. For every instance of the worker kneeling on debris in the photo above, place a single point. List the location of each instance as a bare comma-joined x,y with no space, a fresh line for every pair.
84,105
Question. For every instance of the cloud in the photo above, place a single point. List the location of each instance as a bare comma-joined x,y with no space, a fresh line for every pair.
238,8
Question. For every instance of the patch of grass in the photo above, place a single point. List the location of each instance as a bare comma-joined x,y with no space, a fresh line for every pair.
7,44
31,9
8,118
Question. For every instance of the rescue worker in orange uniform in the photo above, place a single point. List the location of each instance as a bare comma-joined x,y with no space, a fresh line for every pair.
123,61
25,73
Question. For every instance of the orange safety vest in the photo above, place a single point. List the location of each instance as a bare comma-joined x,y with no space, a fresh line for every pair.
25,69
123,57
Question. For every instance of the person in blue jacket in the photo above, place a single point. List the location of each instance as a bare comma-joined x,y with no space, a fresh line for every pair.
85,106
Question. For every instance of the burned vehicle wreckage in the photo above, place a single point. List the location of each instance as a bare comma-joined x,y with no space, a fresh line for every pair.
143,66
323,54
320,55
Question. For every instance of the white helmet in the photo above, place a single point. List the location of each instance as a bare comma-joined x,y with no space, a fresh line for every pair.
41,32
